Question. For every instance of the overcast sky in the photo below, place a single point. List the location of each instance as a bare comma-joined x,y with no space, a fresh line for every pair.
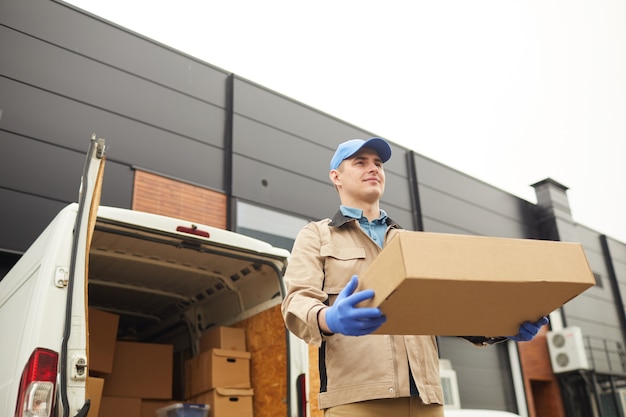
509,92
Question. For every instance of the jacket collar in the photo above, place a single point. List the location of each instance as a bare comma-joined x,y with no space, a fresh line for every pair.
339,219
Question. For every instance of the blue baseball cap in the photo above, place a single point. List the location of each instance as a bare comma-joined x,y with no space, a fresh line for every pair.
348,148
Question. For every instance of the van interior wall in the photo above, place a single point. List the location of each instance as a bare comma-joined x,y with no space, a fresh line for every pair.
266,340
314,381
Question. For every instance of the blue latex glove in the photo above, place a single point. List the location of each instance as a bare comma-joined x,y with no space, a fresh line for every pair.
343,317
528,330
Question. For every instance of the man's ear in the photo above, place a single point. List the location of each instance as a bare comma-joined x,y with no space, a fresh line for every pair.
334,177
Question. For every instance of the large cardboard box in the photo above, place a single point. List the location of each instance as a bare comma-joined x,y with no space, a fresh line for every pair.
141,370
102,337
120,407
217,368
222,337
227,402
460,285
94,395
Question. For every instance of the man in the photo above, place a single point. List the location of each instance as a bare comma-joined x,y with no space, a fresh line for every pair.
371,375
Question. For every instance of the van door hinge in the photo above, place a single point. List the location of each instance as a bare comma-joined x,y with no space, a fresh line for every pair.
100,146
79,367
61,276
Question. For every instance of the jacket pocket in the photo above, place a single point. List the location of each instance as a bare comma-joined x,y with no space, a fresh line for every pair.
340,263
350,365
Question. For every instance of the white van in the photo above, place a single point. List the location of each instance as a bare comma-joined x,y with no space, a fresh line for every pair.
166,279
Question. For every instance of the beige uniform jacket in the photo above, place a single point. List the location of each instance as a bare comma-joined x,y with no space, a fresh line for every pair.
325,256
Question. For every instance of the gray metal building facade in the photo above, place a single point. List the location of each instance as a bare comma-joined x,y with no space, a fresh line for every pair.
65,74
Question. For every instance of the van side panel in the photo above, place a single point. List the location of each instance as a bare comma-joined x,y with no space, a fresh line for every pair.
15,308
32,307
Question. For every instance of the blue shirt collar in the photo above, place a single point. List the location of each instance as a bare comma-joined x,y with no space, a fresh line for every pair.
358,214
376,229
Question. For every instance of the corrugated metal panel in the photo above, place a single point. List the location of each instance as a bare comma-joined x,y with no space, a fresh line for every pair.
270,145
483,374
53,119
469,215
58,24
44,170
89,82
465,204
23,217
288,115
274,187
301,122
38,179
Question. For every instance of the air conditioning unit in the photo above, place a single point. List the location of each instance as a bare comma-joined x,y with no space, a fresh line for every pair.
567,350
450,385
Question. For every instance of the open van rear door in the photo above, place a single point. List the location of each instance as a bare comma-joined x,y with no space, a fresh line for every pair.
73,365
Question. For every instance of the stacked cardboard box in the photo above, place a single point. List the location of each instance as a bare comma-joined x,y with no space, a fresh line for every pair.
125,378
227,402
141,371
94,394
220,374
102,335
135,379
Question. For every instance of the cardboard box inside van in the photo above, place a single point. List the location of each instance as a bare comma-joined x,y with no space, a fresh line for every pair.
228,402
223,337
102,338
141,370
217,368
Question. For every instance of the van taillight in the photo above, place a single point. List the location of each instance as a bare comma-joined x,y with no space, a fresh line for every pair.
301,389
36,395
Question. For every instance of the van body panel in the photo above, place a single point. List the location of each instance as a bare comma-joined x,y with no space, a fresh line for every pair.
32,305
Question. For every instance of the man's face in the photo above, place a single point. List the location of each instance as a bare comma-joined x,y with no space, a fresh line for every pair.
361,177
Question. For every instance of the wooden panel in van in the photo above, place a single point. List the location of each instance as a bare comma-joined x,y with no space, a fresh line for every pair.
266,339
